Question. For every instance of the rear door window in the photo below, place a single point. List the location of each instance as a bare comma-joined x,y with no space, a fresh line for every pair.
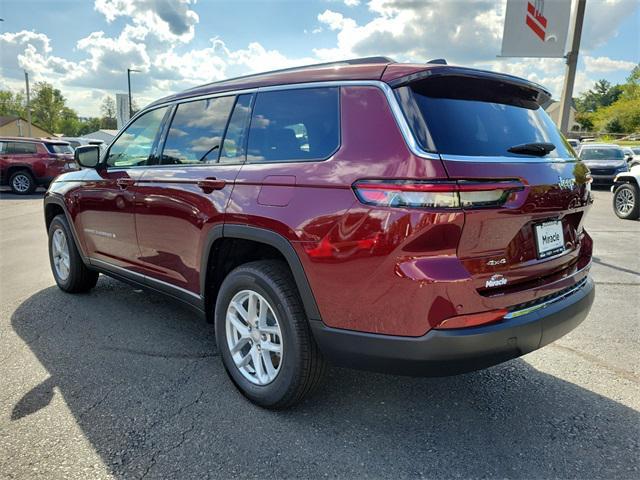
196,132
21,148
295,125
235,139
478,117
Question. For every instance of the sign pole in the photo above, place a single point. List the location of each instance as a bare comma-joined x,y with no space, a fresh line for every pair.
572,64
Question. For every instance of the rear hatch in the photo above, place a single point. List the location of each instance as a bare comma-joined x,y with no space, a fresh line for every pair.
523,191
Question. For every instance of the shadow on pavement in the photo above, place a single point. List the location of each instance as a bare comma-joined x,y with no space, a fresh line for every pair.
140,376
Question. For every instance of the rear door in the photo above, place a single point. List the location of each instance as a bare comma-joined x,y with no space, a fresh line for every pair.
525,228
185,194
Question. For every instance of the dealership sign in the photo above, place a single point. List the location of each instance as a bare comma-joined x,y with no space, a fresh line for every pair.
536,28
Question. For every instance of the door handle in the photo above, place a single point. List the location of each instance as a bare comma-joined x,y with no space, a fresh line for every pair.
124,183
208,185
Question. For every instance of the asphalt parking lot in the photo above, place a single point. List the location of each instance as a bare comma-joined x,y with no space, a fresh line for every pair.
126,384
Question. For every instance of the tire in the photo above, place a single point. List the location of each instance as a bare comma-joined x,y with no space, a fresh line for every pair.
626,201
300,366
74,277
22,182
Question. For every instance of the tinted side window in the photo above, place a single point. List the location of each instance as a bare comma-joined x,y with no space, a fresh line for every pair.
134,146
235,140
21,148
196,131
295,125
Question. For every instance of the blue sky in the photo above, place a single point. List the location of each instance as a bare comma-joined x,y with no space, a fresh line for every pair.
84,47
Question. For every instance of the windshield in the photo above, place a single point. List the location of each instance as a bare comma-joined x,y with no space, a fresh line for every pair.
604,153
461,116
59,148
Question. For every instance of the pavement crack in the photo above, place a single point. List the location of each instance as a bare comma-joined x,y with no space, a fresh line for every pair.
179,443
632,377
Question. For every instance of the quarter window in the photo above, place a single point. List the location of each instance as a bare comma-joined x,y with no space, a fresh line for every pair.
196,131
135,145
295,125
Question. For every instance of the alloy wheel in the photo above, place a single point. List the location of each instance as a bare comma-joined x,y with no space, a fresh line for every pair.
625,201
254,337
60,253
21,183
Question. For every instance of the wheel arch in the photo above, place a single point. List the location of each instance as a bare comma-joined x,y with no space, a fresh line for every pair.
54,205
275,244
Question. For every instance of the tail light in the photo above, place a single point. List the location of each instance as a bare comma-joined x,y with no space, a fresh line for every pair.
425,194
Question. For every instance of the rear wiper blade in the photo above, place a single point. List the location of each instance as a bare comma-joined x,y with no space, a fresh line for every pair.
538,149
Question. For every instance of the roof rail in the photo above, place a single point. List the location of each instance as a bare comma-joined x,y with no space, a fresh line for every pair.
438,61
352,61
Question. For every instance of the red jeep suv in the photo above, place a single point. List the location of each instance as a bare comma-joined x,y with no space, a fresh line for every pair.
26,163
420,219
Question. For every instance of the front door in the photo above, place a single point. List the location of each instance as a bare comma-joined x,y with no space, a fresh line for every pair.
185,195
107,200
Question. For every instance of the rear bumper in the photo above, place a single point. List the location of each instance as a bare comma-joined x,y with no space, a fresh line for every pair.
449,352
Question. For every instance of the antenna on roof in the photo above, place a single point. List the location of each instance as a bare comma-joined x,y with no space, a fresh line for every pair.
438,61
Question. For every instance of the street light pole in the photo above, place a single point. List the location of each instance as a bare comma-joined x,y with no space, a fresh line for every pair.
129,70
26,80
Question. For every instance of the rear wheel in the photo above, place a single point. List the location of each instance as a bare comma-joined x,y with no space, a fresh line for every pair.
22,182
263,335
626,201
69,271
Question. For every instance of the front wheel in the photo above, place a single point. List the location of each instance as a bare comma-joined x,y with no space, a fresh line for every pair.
264,337
69,271
626,203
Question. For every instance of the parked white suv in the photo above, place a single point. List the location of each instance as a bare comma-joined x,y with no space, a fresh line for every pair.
626,194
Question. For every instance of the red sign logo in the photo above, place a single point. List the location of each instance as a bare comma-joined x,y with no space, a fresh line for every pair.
536,21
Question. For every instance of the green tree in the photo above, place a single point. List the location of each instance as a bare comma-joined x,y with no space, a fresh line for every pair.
601,95
108,110
89,125
47,106
68,125
12,103
623,115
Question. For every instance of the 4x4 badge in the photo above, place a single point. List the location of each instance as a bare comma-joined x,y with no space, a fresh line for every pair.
566,183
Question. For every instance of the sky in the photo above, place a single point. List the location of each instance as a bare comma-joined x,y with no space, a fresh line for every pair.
84,47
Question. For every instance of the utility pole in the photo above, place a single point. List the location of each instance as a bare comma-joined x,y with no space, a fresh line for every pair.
26,79
572,64
129,70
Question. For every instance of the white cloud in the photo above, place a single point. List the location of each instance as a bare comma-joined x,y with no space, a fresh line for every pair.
168,20
352,3
606,64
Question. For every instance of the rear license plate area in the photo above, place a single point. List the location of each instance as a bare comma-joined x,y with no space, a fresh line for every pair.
549,238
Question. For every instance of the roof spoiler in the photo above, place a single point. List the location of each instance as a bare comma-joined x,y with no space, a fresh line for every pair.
543,95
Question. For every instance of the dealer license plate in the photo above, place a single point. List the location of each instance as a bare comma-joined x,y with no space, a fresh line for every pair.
549,238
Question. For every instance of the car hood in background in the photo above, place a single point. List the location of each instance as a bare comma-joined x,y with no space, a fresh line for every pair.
605,163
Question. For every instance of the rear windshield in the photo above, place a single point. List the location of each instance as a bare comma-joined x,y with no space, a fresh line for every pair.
601,154
59,148
478,117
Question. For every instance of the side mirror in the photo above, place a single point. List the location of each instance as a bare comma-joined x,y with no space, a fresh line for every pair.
87,156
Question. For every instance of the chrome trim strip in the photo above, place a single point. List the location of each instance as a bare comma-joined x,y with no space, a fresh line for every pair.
107,265
476,159
533,308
